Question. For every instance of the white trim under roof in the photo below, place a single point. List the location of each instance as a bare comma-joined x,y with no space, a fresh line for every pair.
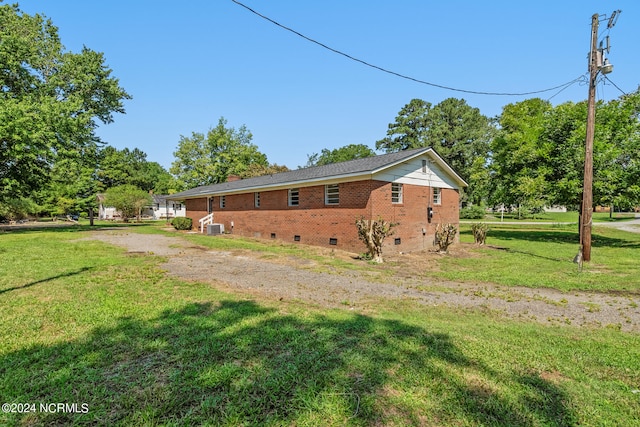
362,175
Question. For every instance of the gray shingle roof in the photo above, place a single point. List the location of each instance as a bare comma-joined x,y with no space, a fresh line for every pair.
311,174
161,199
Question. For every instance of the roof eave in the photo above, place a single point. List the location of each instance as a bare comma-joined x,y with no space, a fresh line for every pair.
359,176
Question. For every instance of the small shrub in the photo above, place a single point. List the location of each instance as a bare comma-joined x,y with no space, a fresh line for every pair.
182,223
479,230
472,212
445,235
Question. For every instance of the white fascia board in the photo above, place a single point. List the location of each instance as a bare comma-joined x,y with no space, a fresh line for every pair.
286,185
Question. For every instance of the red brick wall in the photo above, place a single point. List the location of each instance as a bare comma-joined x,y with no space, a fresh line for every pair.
196,209
315,223
413,228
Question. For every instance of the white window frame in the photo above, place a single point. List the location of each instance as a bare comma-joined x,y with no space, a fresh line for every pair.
437,195
293,197
424,167
332,194
223,202
396,193
256,199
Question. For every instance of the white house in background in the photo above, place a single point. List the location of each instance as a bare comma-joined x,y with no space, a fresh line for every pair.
162,207
104,211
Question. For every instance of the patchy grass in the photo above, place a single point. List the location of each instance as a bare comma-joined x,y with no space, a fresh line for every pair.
83,322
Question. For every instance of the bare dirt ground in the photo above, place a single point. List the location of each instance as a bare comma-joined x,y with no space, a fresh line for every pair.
278,277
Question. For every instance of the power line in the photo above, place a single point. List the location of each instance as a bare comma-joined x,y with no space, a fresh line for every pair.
581,79
403,76
615,85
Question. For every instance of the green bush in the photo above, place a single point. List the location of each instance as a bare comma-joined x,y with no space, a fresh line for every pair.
182,223
472,212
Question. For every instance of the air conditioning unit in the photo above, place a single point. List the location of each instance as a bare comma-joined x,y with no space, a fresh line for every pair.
215,229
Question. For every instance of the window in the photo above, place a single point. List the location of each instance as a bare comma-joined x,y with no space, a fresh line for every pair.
294,197
396,192
437,196
223,202
424,166
331,194
256,199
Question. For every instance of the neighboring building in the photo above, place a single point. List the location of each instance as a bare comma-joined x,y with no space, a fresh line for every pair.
163,207
555,209
104,211
319,205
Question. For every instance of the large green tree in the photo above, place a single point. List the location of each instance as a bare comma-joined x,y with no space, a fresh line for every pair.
616,181
209,159
410,128
258,169
459,133
341,154
72,185
521,160
564,135
118,167
75,179
128,200
538,154
50,100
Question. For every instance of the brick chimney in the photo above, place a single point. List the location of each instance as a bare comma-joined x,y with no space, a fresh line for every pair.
231,178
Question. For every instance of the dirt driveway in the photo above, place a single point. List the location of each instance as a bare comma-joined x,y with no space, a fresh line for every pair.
289,278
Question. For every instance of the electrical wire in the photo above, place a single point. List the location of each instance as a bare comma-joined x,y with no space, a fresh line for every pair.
582,79
403,76
615,85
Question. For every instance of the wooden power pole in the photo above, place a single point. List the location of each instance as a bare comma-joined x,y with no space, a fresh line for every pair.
587,192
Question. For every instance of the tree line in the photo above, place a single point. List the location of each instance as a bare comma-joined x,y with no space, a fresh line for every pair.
532,154
53,163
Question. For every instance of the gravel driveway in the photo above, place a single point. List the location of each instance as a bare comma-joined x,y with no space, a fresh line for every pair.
294,279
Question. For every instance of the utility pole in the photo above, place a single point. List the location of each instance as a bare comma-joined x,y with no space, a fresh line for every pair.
597,63
587,192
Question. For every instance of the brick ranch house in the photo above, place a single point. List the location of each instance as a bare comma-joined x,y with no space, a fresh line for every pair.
319,205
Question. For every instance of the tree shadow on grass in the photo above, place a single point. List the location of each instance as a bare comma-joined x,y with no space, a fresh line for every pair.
48,279
47,227
238,363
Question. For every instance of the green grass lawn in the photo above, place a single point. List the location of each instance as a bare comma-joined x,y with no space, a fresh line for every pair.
541,256
570,216
83,322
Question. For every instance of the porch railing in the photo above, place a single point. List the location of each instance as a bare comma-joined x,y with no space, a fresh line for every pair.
205,221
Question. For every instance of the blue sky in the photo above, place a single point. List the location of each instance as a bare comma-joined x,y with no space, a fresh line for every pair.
186,64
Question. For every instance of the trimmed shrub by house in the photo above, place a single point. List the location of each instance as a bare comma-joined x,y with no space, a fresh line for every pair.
479,230
373,233
182,223
445,235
